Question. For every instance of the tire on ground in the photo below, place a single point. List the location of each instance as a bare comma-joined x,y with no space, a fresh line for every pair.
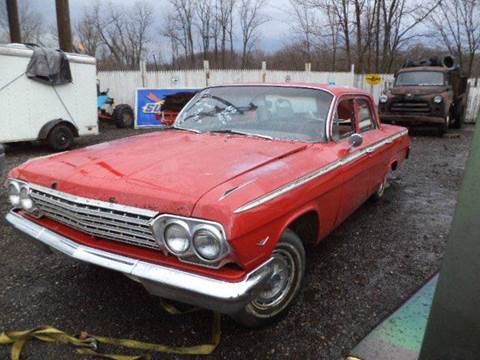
60,138
459,117
378,195
123,116
274,302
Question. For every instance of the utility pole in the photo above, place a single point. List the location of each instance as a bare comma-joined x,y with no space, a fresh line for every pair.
13,22
63,25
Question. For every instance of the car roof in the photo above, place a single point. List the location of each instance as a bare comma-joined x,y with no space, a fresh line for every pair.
334,89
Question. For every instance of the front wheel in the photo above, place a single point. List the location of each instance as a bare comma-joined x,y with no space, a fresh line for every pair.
275,299
123,116
444,127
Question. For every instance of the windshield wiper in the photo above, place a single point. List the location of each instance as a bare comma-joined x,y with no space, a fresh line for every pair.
238,132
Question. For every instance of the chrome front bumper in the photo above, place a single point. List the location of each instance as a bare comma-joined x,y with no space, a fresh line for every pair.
222,296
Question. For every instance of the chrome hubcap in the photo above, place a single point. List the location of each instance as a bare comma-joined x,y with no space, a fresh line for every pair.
280,283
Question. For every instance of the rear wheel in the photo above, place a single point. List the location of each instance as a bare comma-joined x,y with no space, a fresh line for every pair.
60,138
123,116
275,299
378,195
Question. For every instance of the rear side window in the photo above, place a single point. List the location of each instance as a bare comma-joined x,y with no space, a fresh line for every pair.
344,121
365,116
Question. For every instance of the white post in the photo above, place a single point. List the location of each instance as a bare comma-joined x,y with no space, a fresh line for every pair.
264,71
143,71
308,67
206,68
352,71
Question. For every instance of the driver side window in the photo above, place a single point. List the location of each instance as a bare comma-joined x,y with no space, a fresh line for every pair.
344,120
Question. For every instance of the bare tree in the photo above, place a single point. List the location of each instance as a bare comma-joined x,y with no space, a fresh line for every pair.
124,31
205,13
251,18
305,26
458,24
87,33
224,18
32,24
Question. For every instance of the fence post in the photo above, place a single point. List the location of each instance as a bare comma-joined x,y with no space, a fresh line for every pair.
264,71
352,71
206,68
143,72
308,67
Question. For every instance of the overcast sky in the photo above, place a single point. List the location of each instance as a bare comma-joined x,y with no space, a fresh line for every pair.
273,34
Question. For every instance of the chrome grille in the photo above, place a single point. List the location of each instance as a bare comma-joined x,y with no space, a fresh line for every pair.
105,220
410,106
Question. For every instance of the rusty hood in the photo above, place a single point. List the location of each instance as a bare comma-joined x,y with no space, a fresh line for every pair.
167,171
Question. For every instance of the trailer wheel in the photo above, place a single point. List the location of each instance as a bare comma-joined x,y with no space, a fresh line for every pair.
123,116
60,138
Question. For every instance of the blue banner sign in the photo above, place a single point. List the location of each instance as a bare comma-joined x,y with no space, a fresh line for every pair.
160,107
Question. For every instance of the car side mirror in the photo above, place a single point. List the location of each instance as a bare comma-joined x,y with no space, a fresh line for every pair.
355,140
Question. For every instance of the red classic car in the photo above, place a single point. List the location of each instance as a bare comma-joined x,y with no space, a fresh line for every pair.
216,211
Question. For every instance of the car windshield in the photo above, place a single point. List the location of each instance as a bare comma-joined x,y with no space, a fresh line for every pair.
274,112
420,78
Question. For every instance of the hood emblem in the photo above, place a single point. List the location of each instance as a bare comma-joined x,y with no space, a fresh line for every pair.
409,96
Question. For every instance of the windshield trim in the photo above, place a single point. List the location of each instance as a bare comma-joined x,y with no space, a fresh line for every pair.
329,114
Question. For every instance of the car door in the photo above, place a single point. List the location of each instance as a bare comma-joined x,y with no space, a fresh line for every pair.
368,127
353,174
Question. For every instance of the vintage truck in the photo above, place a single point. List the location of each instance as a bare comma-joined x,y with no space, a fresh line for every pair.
216,211
426,93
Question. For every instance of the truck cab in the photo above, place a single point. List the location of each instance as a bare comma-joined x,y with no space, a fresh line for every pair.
428,93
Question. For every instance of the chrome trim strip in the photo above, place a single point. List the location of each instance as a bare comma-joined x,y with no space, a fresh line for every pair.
195,289
234,189
322,171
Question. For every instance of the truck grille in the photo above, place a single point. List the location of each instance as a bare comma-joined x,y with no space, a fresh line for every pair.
101,219
410,106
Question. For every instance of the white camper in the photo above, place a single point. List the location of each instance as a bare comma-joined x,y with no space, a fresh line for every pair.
34,110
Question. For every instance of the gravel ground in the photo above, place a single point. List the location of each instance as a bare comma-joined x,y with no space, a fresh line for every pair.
357,276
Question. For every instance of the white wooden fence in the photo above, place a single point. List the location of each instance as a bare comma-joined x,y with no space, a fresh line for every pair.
122,84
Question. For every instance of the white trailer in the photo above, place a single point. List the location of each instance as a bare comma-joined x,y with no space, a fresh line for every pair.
31,110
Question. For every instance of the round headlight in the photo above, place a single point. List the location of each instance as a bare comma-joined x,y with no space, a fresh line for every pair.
383,99
14,193
437,99
207,244
26,201
177,238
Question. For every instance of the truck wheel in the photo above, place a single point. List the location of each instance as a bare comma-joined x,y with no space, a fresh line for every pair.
273,302
459,117
442,129
60,138
123,116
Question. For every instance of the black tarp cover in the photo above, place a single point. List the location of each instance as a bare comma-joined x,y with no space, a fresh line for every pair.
49,66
